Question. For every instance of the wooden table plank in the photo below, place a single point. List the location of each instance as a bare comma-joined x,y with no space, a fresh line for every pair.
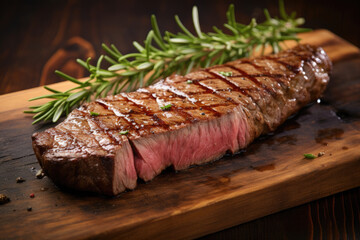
270,176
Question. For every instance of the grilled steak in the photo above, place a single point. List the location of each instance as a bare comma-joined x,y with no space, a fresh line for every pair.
180,121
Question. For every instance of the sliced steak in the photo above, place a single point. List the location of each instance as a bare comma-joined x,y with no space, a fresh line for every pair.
213,111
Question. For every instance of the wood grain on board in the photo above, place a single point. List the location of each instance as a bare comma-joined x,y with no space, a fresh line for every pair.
271,175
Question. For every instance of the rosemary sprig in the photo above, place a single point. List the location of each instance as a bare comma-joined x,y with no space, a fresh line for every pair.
162,55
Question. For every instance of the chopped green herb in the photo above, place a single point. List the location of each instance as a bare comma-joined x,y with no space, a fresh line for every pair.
309,156
166,107
94,114
226,74
124,132
189,82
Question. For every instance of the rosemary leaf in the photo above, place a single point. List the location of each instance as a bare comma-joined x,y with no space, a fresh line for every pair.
51,90
117,67
75,96
67,77
58,112
145,65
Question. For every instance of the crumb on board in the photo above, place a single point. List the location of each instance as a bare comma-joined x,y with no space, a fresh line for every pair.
4,199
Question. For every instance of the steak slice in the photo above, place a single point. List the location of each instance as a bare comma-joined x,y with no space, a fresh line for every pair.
180,121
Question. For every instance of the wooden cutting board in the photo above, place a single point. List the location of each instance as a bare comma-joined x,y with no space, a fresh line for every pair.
271,175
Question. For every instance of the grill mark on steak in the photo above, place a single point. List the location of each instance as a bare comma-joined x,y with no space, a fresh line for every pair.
295,70
305,55
290,67
174,108
75,144
110,107
177,92
148,113
238,89
256,81
188,118
253,79
251,75
262,108
258,115
209,108
94,119
308,57
207,90
54,132
281,79
273,77
180,94
224,79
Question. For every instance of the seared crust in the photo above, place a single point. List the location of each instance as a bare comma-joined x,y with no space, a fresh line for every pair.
82,152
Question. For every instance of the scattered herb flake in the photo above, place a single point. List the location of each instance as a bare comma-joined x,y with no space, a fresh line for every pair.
309,156
189,81
94,114
124,132
166,107
226,74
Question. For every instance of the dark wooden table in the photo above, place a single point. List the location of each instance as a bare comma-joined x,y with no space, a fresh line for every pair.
38,37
